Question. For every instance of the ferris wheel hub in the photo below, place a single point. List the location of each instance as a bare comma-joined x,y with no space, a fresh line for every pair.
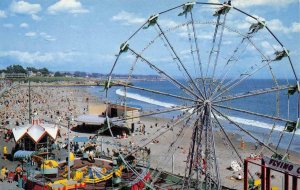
207,102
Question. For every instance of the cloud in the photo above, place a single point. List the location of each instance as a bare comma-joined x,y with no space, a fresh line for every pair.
36,17
8,25
213,1
2,14
23,7
277,25
170,24
47,37
274,25
38,57
24,25
127,18
30,34
295,27
42,35
246,23
249,3
243,3
270,49
69,6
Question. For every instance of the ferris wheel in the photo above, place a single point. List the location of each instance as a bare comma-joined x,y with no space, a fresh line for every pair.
218,65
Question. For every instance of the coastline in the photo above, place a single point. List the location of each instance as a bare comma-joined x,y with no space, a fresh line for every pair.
51,100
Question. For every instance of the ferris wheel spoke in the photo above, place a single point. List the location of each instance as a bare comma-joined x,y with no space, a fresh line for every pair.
173,148
190,167
244,130
275,37
161,93
251,93
218,53
290,143
227,137
216,164
213,46
252,113
179,60
112,69
170,9
176,108
179,85
228,66
178,121
197,51
160,34
242,77
246,73
265,58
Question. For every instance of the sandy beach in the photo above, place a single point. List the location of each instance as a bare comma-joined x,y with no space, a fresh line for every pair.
55,104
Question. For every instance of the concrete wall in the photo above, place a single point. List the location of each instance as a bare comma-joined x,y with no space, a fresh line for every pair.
96,109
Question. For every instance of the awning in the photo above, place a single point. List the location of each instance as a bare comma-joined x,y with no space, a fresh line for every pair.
80,139
23,154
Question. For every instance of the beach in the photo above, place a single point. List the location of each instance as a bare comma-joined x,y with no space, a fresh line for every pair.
165,142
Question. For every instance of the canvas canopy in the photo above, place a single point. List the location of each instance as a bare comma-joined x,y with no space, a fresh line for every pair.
81,139
23,154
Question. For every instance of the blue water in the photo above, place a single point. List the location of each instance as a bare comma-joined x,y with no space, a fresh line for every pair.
263,104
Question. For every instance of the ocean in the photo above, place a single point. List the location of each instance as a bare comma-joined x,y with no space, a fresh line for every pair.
258,126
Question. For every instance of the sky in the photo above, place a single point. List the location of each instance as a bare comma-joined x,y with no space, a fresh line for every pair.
72,35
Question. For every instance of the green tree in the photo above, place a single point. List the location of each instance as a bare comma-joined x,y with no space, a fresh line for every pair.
15,69
44,71
58,74
34,70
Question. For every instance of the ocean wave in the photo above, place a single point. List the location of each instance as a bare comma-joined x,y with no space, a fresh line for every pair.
239,120
144,99
254,123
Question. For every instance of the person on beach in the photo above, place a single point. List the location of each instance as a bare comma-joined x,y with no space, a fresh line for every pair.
3,174
239,177
4,152
18,171
107,151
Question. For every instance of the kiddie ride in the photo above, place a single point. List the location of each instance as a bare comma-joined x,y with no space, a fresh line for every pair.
83,175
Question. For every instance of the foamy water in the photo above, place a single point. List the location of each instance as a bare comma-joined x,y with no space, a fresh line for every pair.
239,120
144,99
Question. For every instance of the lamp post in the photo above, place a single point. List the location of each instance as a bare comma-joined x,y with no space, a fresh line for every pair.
69,119
68,148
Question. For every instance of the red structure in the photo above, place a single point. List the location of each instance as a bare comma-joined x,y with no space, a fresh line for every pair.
289,170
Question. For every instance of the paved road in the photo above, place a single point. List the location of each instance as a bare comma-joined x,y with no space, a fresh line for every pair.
9,186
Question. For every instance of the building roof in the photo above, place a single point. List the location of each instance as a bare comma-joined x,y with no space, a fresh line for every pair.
123,107
36,132
91,119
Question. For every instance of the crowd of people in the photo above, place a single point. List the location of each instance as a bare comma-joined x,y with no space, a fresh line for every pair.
11,176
